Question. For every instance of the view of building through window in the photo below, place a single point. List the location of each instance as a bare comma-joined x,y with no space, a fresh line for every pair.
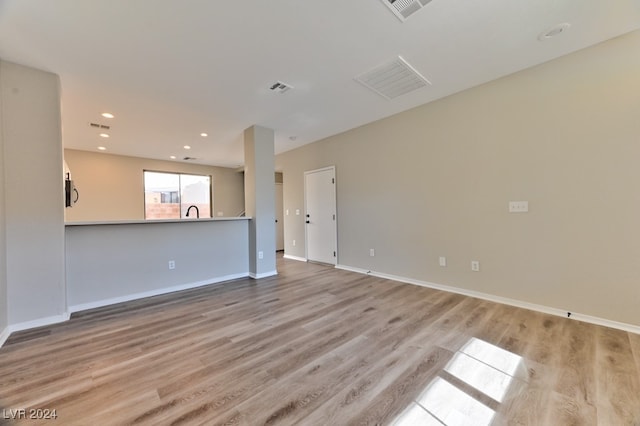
174,195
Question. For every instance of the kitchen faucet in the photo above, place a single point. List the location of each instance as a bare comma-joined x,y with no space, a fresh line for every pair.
197,211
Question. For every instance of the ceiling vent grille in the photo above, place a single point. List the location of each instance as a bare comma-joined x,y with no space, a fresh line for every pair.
99,126
405,8
393,79
280,87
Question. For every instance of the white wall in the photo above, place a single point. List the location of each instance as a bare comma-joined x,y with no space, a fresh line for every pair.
33,194
436,181
112,263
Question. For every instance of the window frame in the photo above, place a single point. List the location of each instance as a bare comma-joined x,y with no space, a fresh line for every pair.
179,174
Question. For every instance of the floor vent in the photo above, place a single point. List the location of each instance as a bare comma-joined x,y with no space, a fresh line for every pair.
405,8
393,79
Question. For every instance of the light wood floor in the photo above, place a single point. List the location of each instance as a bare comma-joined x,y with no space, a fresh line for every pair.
319,346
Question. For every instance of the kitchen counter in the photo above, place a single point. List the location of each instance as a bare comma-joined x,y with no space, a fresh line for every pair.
131,259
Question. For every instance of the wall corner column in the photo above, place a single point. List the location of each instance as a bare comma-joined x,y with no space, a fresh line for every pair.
259,193
33,208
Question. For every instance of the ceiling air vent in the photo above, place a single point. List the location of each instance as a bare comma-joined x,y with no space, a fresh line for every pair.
405,8
100,126
280,87
393,79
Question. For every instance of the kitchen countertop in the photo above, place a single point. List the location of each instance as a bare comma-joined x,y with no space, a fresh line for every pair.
137,222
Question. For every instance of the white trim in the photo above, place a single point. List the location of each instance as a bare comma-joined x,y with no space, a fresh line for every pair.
40,322
4,336
299,259
157,292
353,269
498,299
263,275
100,303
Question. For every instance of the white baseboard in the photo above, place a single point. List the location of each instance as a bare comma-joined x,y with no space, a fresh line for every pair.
263,275
354,269
4,336
157,292
40,322
100,303
299,259
499,299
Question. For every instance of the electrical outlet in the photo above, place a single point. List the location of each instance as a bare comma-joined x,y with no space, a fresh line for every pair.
372,252
260,255
475,266
297,212
220,214
294,243
442,261
287,212
172,264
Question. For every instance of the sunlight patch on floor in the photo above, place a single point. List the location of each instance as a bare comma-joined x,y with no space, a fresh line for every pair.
454,407
481,365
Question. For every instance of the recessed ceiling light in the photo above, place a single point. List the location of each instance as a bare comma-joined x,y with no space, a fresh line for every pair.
104,135
107,115
554,31
173,157
204,135
186,147
102,148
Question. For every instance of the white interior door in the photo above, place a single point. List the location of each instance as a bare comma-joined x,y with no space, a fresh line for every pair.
279,218
320,215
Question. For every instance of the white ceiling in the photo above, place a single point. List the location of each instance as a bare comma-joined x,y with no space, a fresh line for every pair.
171,69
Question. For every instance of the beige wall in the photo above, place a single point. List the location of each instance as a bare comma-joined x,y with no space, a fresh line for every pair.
33,208
436,181
111,187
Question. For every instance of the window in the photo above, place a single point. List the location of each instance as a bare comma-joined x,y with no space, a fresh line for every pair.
173,195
